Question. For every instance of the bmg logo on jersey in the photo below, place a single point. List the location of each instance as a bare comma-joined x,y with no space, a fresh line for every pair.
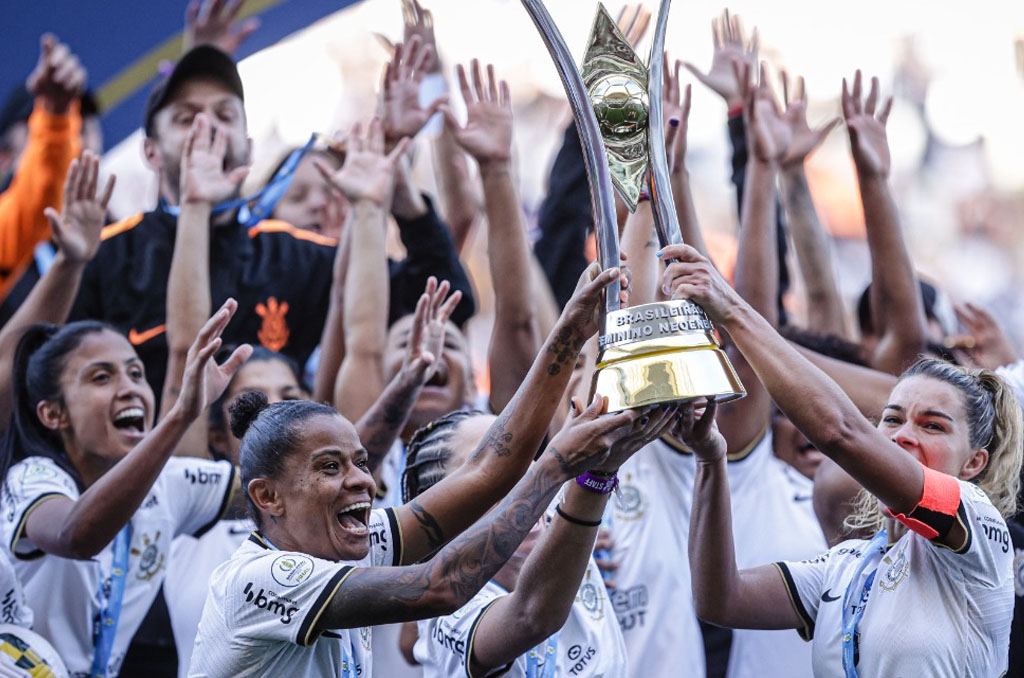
201,477
291,570
271,602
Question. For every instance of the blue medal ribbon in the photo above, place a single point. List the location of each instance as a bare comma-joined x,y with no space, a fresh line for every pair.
111,596
855,601
548,650
260,205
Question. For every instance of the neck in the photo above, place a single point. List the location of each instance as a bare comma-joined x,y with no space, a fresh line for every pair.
90,467
894,529
278,536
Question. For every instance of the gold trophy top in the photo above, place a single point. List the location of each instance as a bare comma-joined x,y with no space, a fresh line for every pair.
617,82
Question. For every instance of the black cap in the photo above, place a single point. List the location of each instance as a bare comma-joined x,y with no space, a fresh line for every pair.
203,60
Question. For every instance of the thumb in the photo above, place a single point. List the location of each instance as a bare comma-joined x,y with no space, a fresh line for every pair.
697,73
449,118
53,216
421,364
238,175
594,410
436,105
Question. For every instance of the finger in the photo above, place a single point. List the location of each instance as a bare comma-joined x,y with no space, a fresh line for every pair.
71,183
216,324
436,105
595,286
847,101
716,38
594,410
697,73
87,185
801,90
191,13
506,95
883,117
449,306
238,357
872,100
231,11
785,88
419,321
375,137
398,150
409,50
238,175
438,297
108,191
219,143
680,253
449,118
203,355
492,85
856,97
478,85
53,216
419,65
825,130
703,426
467,95
246,29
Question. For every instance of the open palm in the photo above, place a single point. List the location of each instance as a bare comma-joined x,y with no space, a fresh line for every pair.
487,135
868,141
78,226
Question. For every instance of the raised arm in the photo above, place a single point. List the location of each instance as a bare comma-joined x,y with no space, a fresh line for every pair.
383,595
487,136
824,305
812,401
204,183
754,598
76,229
550,578
218,23
332,338
757,262
80,529
897,311
510,444
366,179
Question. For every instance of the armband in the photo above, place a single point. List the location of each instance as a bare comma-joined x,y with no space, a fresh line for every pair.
933,516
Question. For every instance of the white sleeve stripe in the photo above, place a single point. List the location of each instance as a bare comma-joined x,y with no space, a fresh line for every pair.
229,494
17,535
807,632
396,531
307,630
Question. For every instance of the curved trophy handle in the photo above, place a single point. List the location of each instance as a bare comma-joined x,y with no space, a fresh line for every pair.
601,193
666,222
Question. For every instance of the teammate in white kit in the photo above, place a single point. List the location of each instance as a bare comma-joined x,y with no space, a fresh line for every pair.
945,459
92,502
546,612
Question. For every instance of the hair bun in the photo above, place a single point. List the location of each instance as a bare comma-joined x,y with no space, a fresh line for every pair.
244,410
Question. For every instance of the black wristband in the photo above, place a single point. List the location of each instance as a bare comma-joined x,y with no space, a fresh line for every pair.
576,521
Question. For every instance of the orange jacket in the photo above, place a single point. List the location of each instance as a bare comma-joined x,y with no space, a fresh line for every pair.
38,183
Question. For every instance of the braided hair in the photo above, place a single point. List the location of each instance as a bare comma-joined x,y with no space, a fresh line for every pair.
428,452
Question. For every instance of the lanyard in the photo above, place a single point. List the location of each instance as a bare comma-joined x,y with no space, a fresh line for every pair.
548,649
855,601
111,596
258,206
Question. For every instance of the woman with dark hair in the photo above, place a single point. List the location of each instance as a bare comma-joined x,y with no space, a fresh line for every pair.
931,593
323,564
549,597
93,499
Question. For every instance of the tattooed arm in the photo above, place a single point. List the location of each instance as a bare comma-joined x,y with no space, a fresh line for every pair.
446,582
510,444
386,418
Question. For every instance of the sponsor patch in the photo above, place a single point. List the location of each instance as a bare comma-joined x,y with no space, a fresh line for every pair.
291,570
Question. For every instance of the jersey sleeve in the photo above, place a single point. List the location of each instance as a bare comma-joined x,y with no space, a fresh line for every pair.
386,547
445,644
805,581
198,492
987,552
29,484
281,596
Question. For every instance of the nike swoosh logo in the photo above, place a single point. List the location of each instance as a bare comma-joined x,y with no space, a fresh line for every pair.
826,598
136,337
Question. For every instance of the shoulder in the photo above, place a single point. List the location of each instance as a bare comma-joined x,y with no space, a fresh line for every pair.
194,470
38,472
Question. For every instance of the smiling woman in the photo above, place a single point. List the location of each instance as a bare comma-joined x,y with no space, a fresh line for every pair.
92,500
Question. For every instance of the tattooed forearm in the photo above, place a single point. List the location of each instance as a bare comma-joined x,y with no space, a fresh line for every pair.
498,438
386,595
431,528
565,346
562,461
384,421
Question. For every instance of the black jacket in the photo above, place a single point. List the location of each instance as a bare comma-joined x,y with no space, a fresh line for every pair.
280,275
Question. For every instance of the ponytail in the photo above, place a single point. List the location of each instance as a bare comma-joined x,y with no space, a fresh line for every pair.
1001,477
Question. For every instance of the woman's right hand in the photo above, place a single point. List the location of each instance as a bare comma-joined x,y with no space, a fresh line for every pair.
585,440
698,431
204,380
692,276
583,310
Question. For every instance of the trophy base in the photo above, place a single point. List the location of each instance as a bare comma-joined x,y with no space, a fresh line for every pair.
678,359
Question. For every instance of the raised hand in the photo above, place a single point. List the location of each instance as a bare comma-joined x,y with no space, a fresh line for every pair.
58,77
730,45
985,344
690,275
487,135
653,423
677,114
400,108
698,431
214,22
420,22
204,380
368,174
426,338
583,310
633,21
868,142
768,135
77,227
587,437
803,139
203,178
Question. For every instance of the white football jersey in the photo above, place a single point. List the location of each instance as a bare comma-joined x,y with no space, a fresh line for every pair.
771,515
589,644
13,608
188,579
189,497
261,610
931,611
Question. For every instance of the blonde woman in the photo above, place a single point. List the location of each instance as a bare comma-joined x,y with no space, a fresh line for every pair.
931,593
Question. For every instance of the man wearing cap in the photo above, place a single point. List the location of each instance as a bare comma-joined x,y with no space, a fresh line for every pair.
280,275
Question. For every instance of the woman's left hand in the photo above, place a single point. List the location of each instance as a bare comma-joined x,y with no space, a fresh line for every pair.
204,380
654,422
691,276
